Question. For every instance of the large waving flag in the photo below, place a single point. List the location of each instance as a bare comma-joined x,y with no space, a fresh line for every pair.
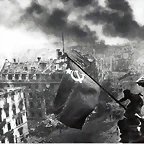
77,96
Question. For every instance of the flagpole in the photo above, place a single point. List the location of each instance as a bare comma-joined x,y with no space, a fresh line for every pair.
97,83
63,42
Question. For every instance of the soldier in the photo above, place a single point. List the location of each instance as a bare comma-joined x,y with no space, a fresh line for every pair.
135,105
136,102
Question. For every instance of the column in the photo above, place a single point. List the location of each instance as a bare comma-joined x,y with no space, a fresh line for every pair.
20,77
27,76
34,76
6,77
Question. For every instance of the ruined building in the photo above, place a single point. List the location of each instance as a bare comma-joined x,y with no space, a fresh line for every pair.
13,119
41,79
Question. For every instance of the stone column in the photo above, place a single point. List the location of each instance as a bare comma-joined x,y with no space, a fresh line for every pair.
27,76
6,77
13,77
20,76
34,76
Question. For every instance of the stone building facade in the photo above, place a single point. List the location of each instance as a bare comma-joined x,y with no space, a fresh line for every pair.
13,118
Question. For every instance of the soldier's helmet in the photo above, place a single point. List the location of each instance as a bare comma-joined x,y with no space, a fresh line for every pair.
127,91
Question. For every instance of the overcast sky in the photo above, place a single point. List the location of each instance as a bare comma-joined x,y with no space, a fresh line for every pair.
31,24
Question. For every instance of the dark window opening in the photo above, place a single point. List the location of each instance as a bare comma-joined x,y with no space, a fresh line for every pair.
9,126
16,76
30,76
42,65
25,68
17,122
20,131
10,76
14,109
4,76
23,76
5,96
21,120
37,76
21,105
1,131
6,109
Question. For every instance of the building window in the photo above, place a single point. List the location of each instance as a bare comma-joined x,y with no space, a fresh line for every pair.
31,105
1,131
10,76
21,105
19,121
25,68
23,76
37,76
14,109
9,126
6,109
20,131
30,76
16,76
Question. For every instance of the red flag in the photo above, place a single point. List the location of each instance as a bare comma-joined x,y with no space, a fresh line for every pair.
76,98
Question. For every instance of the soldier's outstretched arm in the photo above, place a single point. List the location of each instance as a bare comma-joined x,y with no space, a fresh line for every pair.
123,99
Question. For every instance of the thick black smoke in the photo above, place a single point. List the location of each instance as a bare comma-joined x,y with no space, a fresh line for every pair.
35,8
56,22
79,3
117,20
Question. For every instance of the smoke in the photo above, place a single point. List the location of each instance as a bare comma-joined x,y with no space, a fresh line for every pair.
77,19
117,20
55,22
79,3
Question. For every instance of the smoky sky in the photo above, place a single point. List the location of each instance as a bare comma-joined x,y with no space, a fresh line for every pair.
79,3
117,19
55,23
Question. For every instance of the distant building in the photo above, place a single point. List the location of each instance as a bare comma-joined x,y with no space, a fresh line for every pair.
13,119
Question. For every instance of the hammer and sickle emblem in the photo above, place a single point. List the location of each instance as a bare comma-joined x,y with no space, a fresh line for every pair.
79,78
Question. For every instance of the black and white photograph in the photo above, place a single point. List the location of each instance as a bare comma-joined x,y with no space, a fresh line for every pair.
71,71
